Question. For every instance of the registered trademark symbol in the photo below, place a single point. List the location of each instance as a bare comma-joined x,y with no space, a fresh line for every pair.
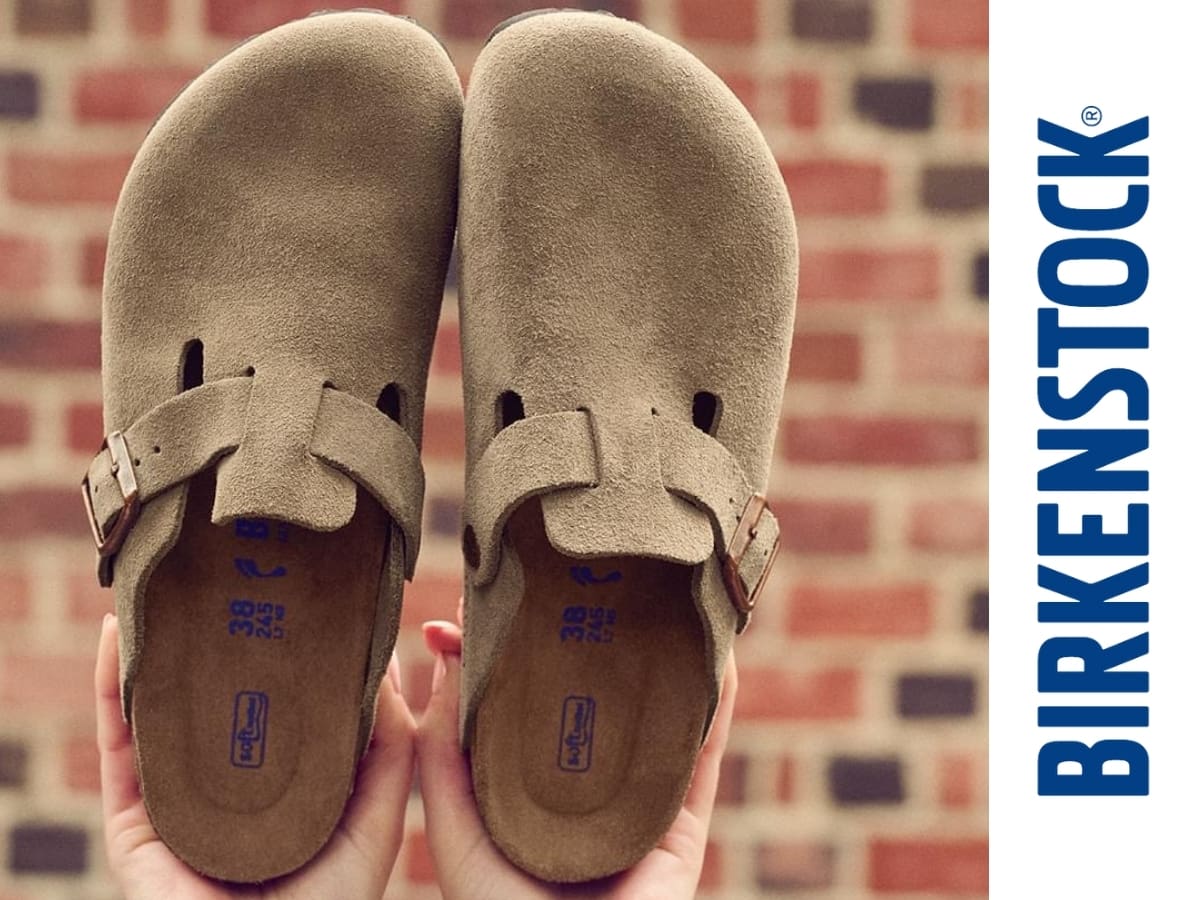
1091,115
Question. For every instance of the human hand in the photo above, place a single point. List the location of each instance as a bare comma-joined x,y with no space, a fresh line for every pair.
356,862
468,864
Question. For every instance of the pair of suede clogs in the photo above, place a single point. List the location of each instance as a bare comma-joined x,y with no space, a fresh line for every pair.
273,283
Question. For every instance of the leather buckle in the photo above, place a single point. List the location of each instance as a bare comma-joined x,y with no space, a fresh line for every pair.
743,537
107,545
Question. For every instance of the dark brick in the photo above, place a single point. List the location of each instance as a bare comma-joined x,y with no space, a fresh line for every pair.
18,95
50,345
977,615
902,103
50,17
47,849
935,696
13,759
958,188
445,516
856,781
731,788
833,20
979,275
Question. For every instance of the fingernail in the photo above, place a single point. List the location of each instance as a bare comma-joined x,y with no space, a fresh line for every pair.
394,673
439,673
108,617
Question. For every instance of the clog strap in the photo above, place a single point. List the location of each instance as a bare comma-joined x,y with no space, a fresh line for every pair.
557,451
175,440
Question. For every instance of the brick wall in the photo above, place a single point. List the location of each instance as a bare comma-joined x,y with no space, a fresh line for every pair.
857,767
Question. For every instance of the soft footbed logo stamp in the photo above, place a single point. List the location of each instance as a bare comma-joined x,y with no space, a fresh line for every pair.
248,743
575,737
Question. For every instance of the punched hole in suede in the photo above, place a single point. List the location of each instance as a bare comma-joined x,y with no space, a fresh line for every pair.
391,403
191,365
706,411
509,408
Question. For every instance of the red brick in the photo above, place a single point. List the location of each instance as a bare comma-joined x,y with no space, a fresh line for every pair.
45,683
825,357
824,526
22,264
787,781
881,441
14,424
951,866
50,345
419,861
942,356
834,187
147,18
718,20
85,427
430,597
91,269
712,872
803,101
61,178
87,602
792,865
949,24
860,610
443,434
956,780
33,511
135,94
949,526
81,765
237,18
778,695
870,275
447,352
970,106
731,786
14,596
745,86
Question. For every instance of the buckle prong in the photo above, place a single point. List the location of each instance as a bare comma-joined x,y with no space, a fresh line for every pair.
122,469
739,543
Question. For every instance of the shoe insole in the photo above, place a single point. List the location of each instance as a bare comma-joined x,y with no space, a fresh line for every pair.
588,730
246,705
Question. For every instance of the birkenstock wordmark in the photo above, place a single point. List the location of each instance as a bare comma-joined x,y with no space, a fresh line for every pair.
1085,482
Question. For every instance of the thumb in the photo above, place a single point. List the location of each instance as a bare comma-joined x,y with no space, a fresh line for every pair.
374,819
452,823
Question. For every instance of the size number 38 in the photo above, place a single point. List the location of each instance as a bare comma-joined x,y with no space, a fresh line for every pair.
256,620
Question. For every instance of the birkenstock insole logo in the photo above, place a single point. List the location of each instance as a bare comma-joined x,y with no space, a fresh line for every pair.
575,737
248,744
587,624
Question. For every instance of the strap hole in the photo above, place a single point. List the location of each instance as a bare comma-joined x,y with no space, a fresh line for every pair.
392,403
250,371
470,547
509,408
706,411
191,367
137,462
157,449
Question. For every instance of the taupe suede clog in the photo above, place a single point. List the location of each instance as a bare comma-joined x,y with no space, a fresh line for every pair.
274,276
628,285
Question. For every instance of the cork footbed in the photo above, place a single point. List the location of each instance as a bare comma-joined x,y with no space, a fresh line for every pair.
247,700
590,725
